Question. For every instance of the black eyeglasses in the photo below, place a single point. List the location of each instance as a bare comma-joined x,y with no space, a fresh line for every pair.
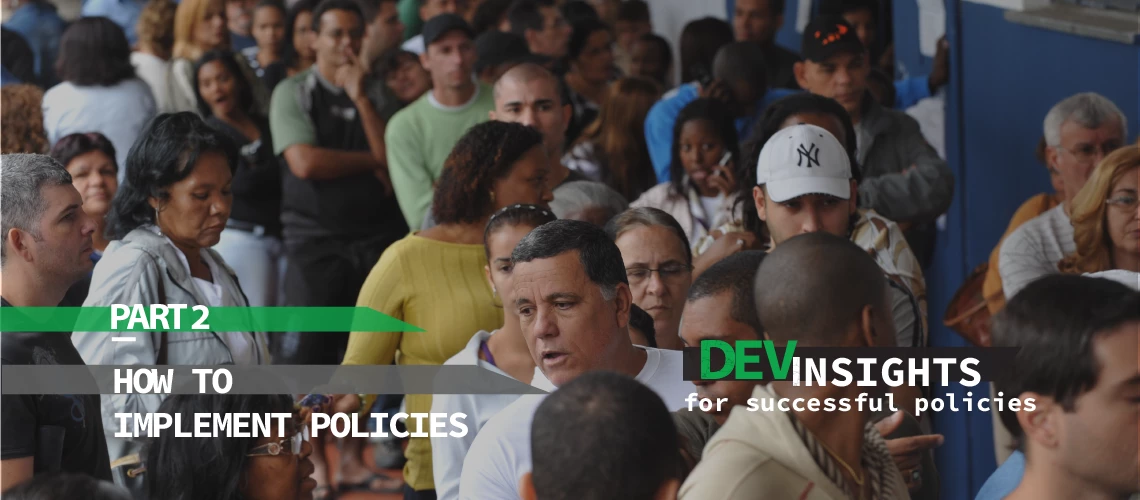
669,272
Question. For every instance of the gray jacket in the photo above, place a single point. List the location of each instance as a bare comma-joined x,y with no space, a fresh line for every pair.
144,268
893,144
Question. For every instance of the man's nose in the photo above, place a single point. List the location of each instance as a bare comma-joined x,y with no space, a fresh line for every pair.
811,222
526,117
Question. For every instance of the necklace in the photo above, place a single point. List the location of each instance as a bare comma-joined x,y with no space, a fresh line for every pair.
856,477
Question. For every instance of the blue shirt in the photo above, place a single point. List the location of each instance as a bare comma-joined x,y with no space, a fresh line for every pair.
911,90
41,27
662,116
124,13
1005,479
239,43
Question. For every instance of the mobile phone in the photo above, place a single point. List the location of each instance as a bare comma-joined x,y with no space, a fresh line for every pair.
725,159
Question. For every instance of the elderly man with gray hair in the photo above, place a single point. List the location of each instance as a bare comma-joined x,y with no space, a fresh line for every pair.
587,201
1079,132
46,249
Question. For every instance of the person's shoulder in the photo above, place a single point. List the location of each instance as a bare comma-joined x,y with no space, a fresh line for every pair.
1033,207
784,54
469,355
654,196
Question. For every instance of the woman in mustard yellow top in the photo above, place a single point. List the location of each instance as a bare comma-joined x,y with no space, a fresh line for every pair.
434,279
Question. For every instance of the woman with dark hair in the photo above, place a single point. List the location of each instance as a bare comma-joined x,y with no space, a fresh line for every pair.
90,159
402,72
590,59
700,40
494,165
607,151
502,351
100,92
704,155
170,209
275,467
251,242
297,46
268,31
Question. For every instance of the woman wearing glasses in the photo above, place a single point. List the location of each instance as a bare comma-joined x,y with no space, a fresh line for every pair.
1106,217
273,467
659,265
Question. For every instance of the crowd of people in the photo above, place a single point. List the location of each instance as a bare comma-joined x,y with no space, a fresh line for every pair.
559,193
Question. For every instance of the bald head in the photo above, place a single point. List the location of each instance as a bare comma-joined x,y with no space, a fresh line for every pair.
531,95
814,287
527,74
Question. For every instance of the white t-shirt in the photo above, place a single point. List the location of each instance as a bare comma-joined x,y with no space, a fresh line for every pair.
155,71
1034,249
447,452
1129,278
500,455
119,112
414,45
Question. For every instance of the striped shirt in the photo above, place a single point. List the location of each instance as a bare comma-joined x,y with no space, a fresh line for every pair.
1034,249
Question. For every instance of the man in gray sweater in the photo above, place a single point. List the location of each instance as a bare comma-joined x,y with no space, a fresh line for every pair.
903,178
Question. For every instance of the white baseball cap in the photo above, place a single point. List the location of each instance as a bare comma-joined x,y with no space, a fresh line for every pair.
804,159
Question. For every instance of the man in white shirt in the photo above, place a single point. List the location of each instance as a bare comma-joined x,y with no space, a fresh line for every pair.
573,301
1079,132
428,10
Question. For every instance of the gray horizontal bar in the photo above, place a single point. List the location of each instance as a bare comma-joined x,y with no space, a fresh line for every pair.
272,379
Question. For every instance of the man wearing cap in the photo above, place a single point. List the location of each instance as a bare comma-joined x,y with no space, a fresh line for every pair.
804,185
421,135
903,177
429,9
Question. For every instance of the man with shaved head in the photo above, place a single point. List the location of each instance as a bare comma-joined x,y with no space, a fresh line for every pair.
778,454
531,95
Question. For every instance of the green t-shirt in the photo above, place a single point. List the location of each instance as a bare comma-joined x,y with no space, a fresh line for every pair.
419,139
409,12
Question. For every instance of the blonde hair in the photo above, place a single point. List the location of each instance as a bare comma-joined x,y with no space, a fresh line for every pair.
186,19
155,26
1089,212
23,120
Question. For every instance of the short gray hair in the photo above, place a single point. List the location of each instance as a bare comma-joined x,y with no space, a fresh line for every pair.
1087,109
22,204
575,197
649,217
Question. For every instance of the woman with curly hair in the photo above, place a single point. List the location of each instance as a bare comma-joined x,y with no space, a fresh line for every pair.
434,278
1106,217
23,121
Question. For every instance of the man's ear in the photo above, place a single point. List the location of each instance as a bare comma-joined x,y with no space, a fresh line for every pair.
1041,426
526,487
668,490
532,38
867,326
424,61
567,115
492,115
17,242
799,69
758,199
1051,154
623,302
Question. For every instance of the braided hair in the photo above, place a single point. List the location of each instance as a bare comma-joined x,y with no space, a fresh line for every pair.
484,154
515,215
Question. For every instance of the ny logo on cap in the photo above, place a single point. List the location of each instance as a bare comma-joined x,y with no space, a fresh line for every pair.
810,153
